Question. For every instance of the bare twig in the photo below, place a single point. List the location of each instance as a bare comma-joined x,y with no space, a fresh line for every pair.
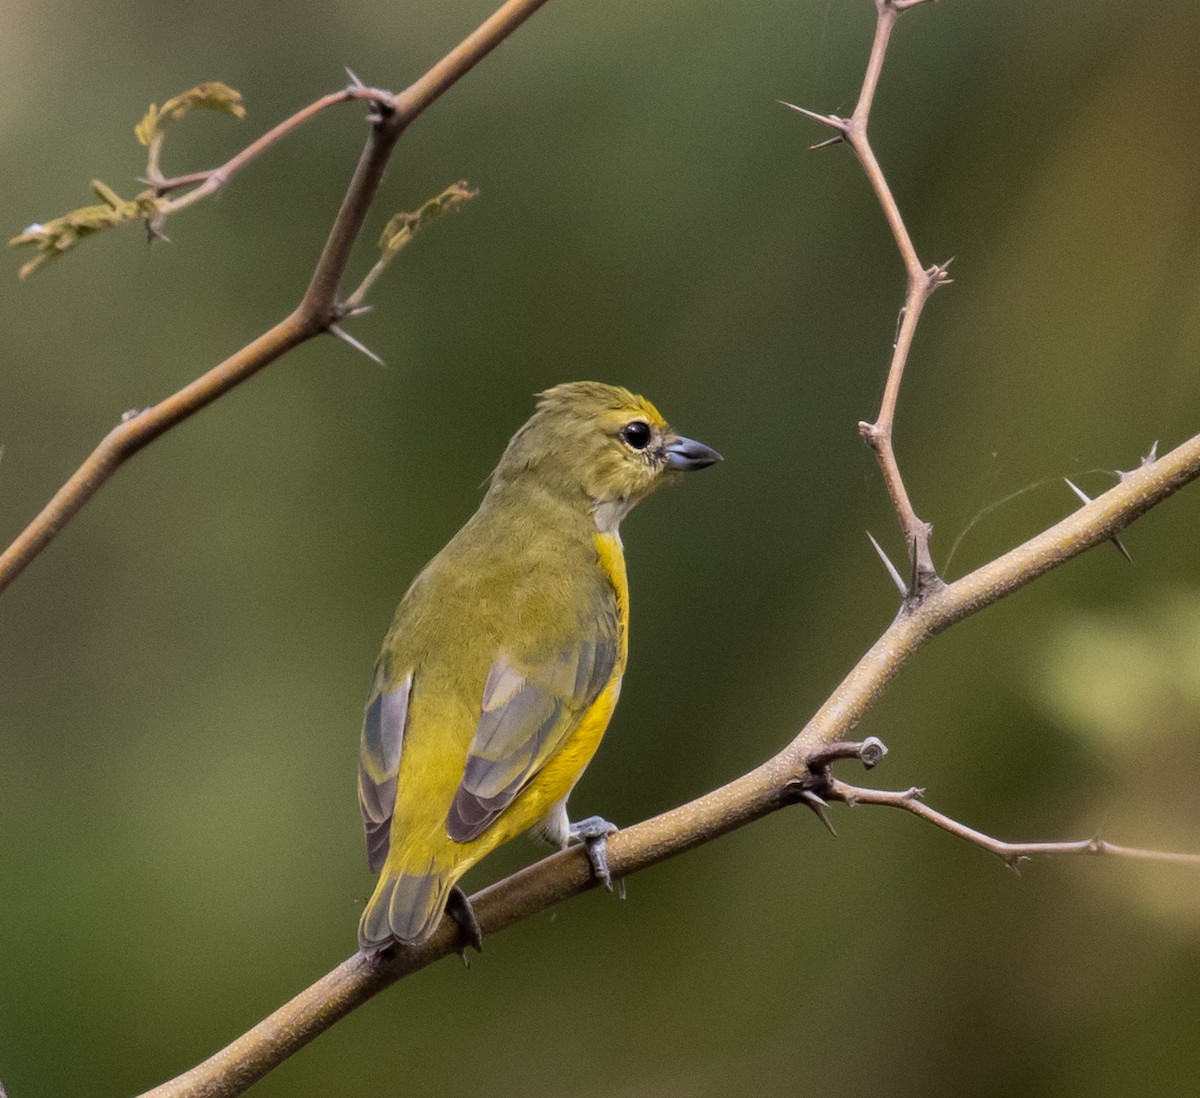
398,235
1011,854
316,312
922,281
206,183
778,782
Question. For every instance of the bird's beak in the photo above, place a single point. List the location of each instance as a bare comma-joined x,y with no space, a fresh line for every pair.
686,453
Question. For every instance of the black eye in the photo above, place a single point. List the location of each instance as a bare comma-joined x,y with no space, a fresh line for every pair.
636,434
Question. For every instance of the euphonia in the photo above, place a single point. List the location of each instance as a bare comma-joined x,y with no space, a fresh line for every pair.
503,663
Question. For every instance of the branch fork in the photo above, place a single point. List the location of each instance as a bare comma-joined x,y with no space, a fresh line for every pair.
814,788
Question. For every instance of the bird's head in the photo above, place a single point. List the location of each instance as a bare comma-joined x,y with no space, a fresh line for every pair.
601,443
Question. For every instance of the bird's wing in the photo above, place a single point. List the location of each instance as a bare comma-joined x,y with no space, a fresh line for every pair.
379,765
525,718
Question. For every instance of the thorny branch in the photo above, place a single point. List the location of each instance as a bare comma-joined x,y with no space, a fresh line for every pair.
922,281
319,310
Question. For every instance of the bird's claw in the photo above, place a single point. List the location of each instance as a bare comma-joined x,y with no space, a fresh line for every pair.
459,908
593,834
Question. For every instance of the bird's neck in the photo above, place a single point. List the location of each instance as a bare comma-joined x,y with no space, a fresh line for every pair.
608,513
563,508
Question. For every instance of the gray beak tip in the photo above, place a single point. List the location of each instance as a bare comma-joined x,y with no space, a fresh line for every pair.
685,454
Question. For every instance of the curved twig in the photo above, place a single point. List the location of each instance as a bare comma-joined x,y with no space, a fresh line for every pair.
206,183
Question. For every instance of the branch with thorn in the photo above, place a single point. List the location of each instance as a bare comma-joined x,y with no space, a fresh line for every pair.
818,787
319,310
1148,459
922,282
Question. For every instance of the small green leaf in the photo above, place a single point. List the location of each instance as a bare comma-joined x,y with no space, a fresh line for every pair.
404,226
106,194
145,130
60,235
212,95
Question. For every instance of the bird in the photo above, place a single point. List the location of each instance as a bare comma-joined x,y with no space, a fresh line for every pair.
503,663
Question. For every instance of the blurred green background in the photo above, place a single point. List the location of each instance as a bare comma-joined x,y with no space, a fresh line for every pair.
182,672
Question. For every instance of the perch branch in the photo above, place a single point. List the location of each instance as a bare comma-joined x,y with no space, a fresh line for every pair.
1011,854
319,308
780,781
921,282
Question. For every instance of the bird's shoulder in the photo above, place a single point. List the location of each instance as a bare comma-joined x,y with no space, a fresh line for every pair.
526,584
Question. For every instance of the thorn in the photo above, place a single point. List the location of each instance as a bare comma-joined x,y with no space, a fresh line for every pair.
347,338
1088,499
939,274
830,120
818,805
836,139
358,310
1149,459
354,80
1078,491
891,568
154,231
133,413
1013,864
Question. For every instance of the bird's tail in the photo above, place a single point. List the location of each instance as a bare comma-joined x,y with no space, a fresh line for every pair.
405,907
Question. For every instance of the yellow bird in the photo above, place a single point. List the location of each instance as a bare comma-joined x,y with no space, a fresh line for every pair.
503,663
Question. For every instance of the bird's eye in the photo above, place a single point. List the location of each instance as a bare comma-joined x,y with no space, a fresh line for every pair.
636,434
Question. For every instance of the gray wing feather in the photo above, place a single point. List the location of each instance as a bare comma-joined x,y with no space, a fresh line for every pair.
379,766
522,722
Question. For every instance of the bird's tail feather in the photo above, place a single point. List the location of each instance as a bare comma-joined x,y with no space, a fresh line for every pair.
405,907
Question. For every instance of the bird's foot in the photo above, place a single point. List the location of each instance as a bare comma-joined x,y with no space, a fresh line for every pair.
593,833
459,908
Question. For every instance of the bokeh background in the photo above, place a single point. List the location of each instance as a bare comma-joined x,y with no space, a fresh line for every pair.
182,672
